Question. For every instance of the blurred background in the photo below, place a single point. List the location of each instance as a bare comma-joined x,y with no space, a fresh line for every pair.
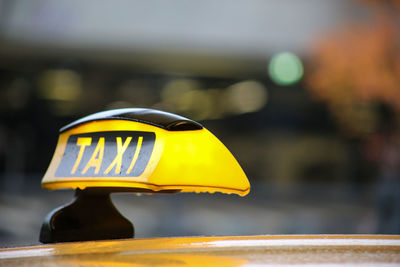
305,94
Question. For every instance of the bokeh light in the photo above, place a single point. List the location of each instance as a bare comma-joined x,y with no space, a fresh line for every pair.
172,94
285,68
60,85
186,97
246,96
63,90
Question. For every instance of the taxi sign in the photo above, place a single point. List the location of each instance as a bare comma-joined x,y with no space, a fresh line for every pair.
143,150
139,150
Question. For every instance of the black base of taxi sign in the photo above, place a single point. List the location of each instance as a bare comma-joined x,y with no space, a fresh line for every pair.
91,216
134,150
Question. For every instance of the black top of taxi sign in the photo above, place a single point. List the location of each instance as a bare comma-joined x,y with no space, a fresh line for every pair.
162,119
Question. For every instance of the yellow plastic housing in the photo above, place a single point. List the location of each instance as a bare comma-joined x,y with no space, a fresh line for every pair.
103,154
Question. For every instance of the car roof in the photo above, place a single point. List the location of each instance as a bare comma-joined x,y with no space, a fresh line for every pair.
332,250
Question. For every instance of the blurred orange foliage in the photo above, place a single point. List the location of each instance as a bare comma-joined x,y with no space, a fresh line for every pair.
358,66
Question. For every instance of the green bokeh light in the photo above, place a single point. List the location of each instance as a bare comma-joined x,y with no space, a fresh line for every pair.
285,68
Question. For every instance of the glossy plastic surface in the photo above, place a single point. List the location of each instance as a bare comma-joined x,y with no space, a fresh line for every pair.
301,250
162,119
138,156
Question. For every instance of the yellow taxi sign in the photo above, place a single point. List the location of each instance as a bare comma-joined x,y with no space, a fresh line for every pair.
143,150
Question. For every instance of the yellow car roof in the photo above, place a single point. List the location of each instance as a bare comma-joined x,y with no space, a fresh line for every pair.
300,250
143,150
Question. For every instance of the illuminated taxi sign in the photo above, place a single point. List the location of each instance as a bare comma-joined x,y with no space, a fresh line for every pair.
143,149
106,154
